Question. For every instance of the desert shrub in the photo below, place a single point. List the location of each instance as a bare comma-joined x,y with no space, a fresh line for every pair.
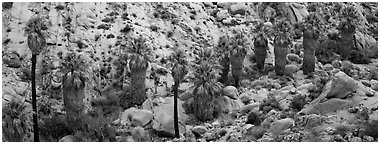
312,136
55,127
254,118
298,102
269,104
16,121
341,130
370,128
108,106
7,5
95,127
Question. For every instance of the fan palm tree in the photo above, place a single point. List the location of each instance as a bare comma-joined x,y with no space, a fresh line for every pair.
347,28
206,88
260,44
36,43
238,53
179,70
138,56
74,69
282,40
312,27
223,54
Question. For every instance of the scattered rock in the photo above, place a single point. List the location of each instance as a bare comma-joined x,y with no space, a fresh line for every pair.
281,125
12,60
221,15
199,130
248,108
68,138
239,8
331,105
230,105
366,44
231,92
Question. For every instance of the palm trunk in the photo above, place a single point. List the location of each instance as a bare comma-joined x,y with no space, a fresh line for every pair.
176,128
225,70
309,43
261,46
347,41
237,66
280,51
34,99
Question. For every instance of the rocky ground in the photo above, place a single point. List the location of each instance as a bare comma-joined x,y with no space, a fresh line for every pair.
338,103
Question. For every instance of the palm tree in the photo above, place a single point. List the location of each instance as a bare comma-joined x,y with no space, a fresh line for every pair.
238,53
179,70
36,43
74,69
260,44
347,28
312,27
206,88
138,56
282,39
223,53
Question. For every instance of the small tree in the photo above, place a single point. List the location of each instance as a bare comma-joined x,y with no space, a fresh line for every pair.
283,32
179,70
312,28
74,69
261,36
347,27
206,88
223,53
138,56
238,46
35,29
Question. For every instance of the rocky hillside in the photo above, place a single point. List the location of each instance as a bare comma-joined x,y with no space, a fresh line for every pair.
339,102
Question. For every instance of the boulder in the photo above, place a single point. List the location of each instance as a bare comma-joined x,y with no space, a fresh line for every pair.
136,117
239,8
281,125
141,117
293,58
329,106
312,120
291,69
366,44
299,12
164,119
199,130
221,15
231,92
68,138
342,85
261,95
229,105
248,108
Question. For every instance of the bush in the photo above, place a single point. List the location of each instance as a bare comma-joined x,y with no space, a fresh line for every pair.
55,127
95,128
298,102
254,118
269,104
16,121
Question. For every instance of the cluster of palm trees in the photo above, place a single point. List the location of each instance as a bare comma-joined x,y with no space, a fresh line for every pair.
211,66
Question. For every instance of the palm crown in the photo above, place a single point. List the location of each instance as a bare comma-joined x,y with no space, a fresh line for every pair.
180,64
139,53
284,31
35,28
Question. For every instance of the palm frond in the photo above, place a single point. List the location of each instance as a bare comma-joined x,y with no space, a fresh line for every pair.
284,31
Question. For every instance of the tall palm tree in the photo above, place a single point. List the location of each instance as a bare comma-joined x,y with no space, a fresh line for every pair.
282,40
223,53
36,43
347,28
238,53
312,27
179,70
206,88
138,56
